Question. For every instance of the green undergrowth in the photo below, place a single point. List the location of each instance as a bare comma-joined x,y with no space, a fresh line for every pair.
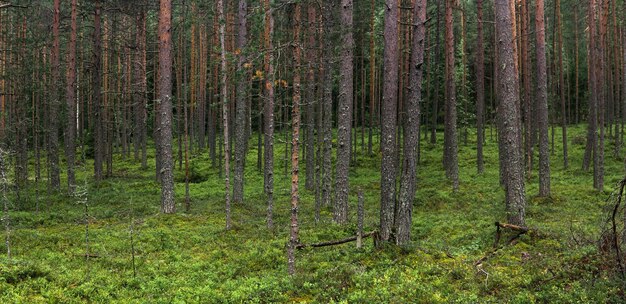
190,257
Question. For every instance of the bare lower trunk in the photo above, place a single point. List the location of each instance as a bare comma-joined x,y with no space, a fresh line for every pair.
542,101
388,125
295,145
408,176
241,138
164,97
509,118
340,210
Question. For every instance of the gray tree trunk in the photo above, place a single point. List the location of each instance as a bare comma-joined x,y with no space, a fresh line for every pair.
241,105
542,101
344,132
408,176
388,125
451,150
509,118
480,88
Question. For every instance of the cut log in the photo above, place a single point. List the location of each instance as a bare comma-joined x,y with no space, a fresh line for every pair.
338,242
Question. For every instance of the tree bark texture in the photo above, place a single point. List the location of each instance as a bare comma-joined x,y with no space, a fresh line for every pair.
509,117
388,125
346,87
53,114
295,144
96,83
70,96
480,88
542,100
225,114
241,137
451,149
164,98
269,112
408,176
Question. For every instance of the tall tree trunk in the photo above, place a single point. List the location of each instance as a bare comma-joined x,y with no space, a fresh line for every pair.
372,78
70,95
310,105
526,80
450,157
435,113
241,104
388,125
542,100
408,177
509,117
562,91
480,88
53,127
328,103
224,100
269,112
295,143
592,116
164,98
346,88
96,91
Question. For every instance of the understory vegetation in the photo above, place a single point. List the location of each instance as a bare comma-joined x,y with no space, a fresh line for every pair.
136,254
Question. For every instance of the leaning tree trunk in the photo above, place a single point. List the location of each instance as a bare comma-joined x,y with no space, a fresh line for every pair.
408,176
241,105
542,100
344,132
388,125
509,117
164,98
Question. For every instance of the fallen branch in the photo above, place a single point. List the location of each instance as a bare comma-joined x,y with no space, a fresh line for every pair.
520,229
373,234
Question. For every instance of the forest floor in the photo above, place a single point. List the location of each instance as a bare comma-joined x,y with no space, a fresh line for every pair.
190,257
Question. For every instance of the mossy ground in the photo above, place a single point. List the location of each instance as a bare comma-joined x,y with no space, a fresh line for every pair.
190,257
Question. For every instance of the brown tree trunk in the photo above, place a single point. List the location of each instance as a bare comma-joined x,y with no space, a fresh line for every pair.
344,131
269,112
372,63
542,101
509,117
70,95
592,116
241,105
450,157
295,144
388,125
408,177
164,98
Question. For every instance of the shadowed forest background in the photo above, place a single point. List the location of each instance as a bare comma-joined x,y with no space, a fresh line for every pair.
361,151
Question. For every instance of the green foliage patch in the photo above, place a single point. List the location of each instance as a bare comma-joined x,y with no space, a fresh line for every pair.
190,257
